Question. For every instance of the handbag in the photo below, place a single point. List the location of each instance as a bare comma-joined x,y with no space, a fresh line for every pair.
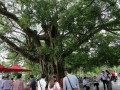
71,85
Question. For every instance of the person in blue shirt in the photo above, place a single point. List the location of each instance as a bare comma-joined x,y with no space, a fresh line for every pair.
70,81
33,83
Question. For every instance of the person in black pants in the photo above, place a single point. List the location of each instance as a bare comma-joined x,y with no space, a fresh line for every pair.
104,80
96,84
86,83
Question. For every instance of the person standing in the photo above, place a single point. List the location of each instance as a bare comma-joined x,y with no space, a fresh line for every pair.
86,83
0,84
33,83
53,84
104,79
109,82
18,83
12,83
70,81
7,84
41,84
61,82
96,84
113,75
1,81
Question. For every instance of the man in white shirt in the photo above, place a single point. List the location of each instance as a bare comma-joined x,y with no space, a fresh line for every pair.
42,83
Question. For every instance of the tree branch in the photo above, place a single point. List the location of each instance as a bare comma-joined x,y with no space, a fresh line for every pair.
2,6
27,30
68,51
15,39
23,52
112,31
87,6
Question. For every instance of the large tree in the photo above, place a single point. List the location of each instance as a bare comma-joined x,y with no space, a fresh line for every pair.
48,31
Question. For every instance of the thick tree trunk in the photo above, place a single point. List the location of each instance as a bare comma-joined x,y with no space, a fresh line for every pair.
58,68
61,70
52,68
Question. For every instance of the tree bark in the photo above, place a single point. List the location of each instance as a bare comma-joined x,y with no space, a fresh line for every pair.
51,68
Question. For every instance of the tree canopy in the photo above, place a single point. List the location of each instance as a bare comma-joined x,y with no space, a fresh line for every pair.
51,31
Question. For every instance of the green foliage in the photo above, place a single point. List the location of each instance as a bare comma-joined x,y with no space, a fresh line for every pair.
78,59
76,34
25,20
106,52
11,55
35,67
4,27
101,50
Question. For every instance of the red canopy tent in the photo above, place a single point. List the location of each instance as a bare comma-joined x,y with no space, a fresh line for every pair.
17,68
2,68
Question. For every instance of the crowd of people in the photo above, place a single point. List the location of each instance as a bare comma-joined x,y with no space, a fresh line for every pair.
10,84
69,82
105,77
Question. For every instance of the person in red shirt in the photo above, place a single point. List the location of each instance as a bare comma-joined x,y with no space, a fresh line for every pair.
113,76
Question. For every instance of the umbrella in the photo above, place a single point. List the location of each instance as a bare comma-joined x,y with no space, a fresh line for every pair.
2,68
17,68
